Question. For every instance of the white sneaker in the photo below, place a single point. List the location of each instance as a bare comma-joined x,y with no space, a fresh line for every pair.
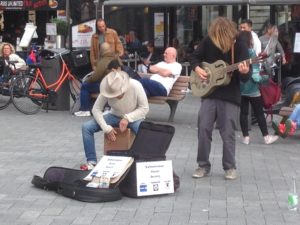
269,139
230,174
82,113
246,140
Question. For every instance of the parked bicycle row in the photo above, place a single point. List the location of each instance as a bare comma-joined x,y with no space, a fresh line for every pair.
25,85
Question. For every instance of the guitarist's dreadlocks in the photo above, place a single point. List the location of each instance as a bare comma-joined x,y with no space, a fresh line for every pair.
223,33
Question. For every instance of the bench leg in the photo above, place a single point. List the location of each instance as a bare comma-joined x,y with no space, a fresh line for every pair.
173,106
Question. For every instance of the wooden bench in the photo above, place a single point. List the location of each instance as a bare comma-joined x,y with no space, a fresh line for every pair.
177,93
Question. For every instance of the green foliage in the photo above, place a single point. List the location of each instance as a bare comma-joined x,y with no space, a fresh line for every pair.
61,26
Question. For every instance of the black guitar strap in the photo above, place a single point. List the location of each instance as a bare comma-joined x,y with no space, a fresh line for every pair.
232,57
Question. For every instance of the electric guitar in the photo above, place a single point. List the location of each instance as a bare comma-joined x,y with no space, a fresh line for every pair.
218,74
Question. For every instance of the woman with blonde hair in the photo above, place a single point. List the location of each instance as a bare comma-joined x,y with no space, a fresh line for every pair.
221,105
8,53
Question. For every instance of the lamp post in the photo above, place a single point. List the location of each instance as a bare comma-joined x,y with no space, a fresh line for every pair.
96,2
68,12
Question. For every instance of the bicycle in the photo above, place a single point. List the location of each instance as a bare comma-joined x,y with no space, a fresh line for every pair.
30,91
5,81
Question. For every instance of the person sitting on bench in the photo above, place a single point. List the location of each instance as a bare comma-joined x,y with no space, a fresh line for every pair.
290,125
164,75
129,107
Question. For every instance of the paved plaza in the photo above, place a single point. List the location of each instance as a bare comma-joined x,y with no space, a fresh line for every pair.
31,144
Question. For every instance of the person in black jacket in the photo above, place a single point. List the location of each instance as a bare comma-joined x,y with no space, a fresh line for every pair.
149,58
222,104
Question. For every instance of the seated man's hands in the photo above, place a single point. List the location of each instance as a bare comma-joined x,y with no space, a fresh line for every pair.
112,135
123,125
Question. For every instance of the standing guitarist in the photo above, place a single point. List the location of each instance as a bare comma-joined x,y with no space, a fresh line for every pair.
222,104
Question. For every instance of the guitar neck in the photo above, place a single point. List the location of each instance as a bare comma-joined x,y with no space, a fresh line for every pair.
233,67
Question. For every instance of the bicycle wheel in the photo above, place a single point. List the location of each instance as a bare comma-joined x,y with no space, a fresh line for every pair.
4,95
20,88
74,86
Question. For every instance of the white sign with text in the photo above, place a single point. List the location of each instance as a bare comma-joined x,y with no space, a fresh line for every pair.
297,43
82,33
154,178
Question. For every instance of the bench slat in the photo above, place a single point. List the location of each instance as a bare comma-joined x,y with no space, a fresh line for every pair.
164,98
182,87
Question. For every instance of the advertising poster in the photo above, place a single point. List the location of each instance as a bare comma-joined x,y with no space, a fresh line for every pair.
33,5
51,29
28,35
154,178
159,29
297,43
82,33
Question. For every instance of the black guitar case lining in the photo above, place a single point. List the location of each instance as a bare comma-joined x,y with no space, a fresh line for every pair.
150,144
69,182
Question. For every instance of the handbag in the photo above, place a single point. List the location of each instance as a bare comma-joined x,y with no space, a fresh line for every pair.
270,93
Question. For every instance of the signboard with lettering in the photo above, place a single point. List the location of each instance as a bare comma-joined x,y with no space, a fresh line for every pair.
154,178
82,34
51,29
297,43
28,35
33,5
159,29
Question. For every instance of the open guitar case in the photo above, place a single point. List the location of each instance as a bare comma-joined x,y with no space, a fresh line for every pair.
69,183
150,144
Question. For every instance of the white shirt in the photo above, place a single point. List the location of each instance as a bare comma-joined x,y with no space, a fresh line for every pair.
256,43
168,82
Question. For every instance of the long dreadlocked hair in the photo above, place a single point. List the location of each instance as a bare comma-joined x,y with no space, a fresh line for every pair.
223,33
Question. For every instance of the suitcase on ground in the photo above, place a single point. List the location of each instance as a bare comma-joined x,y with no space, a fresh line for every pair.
150,144
69,182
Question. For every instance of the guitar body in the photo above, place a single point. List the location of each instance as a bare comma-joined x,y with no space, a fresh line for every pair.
217,76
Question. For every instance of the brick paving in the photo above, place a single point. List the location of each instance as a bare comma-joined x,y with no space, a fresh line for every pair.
31,144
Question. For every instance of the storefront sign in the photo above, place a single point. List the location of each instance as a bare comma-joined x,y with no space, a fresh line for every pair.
33,5
51,29
82,34
154,178
159,29
28,35
297,43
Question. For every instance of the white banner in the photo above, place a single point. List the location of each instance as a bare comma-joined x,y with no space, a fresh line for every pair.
154,178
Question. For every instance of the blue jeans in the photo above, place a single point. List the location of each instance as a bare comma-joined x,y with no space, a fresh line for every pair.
90,127
153,88
85,91
295,116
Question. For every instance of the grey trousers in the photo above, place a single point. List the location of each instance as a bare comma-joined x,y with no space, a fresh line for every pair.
225,115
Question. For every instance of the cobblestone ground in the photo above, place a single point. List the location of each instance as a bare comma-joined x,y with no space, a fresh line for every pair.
31,144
